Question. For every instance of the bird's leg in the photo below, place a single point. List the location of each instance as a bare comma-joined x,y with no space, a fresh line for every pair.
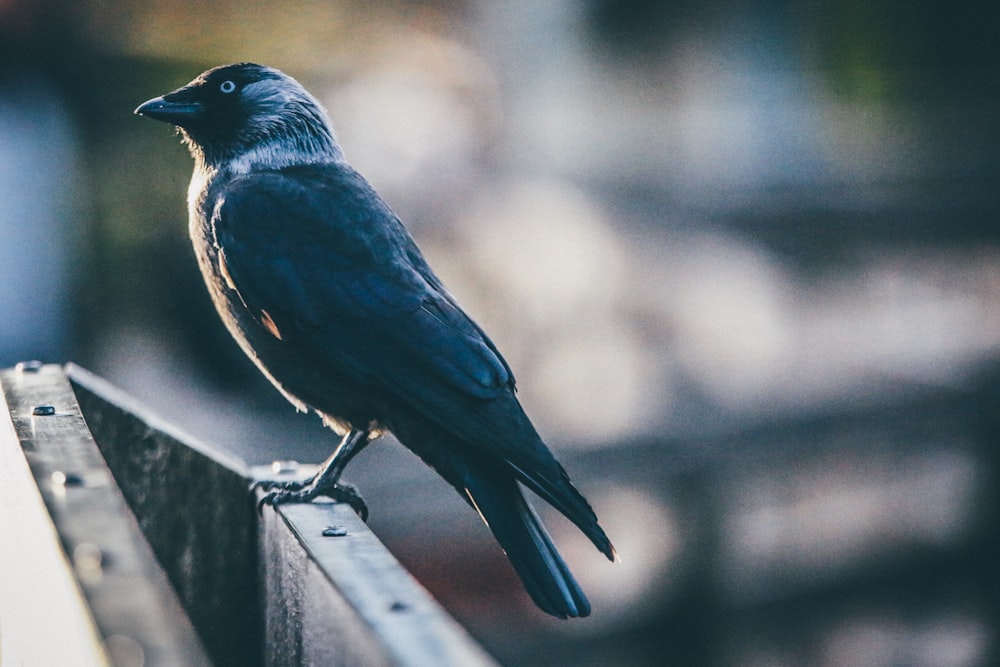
325,481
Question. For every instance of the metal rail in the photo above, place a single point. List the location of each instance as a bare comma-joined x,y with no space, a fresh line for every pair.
125,542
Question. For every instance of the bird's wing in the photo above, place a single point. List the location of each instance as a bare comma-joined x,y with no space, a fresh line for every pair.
321,261
329,264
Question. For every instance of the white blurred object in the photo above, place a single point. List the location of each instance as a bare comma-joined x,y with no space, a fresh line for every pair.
817,521
414,117
554,279
952,639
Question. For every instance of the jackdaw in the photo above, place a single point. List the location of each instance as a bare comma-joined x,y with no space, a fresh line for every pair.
324,289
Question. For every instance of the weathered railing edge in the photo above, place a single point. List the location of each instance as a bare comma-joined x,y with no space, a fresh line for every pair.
402,619
133,610
113,395
410,626
36,627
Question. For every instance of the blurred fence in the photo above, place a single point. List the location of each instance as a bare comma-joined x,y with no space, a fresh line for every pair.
865,536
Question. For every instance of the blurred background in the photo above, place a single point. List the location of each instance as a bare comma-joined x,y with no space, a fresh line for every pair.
743,257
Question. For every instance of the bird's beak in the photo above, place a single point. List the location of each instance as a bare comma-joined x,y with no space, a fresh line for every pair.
178,112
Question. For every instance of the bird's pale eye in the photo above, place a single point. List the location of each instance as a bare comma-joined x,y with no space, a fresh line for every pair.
227,87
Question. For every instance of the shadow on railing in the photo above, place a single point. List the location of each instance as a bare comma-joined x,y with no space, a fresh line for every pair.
158,556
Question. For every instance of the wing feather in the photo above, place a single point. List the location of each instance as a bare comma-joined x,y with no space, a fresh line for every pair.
333,268
317,256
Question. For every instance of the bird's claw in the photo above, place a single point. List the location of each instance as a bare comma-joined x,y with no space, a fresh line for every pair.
268,484
281,493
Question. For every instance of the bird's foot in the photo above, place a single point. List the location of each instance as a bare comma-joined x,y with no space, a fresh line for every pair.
281,493
282,485
324,482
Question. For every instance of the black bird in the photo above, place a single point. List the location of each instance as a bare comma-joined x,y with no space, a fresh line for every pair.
324,289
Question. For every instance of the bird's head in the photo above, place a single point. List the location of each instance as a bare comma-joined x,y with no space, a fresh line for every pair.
246,116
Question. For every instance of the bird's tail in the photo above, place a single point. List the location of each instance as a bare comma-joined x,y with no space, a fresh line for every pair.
517,528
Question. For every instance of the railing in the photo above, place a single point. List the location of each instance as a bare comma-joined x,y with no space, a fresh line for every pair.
124,543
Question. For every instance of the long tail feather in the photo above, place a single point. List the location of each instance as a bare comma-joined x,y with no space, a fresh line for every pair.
517,528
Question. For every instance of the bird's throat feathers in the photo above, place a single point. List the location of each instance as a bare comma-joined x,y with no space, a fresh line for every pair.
276,149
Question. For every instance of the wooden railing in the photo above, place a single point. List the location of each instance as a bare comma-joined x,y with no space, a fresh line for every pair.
125,543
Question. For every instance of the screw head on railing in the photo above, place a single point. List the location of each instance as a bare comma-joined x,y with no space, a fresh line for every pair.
88,560
284,467
43,411
334,531
60,478
32,366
